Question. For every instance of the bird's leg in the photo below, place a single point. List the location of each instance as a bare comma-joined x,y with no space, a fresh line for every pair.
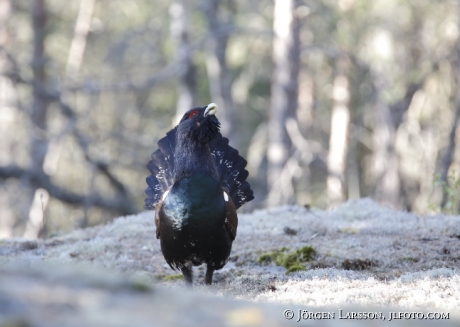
187,272
208,277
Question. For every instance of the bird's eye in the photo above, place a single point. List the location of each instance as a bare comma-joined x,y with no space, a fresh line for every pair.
193,114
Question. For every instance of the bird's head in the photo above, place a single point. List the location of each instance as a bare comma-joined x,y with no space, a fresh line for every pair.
199,124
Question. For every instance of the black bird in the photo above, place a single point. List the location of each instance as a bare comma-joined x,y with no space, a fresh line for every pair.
197,183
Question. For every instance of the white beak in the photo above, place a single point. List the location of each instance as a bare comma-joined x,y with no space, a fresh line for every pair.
211,109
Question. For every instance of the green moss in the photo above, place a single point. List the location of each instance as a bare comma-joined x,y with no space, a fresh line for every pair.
265,258
295,267
140,286
349,230
172,277
271,256
292,261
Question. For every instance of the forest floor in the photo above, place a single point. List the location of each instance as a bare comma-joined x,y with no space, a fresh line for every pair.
358,255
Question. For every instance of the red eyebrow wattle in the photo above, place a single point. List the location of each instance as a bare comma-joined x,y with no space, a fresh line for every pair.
194,112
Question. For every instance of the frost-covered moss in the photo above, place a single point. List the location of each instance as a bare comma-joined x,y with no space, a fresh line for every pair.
172,277
292,261
417,256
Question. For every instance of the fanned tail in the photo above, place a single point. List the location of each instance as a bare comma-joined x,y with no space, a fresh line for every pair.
162,168
230,167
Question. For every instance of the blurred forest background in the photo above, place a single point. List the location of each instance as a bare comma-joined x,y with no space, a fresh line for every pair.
328,101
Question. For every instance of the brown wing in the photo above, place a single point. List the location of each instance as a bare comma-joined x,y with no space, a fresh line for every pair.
231,218
157,212
157,218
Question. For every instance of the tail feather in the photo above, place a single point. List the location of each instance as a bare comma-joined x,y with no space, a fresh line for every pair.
160,179
230,167
218,147
160,167
242,194
153,192
167,145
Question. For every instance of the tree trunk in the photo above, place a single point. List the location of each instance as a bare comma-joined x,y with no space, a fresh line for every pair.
388,119
386,161
353,161
286,58
78,45
304,123
180,33
39,141
7,120
220,80
448,156
74,61
338,141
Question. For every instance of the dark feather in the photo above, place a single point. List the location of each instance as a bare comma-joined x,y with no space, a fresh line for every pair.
167,145
230,168
196,184
161,166
153,193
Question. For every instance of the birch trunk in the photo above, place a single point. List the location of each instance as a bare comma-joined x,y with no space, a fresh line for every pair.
338,141
449,154
386,161
220,80
180,35
286,58
78,45
7,122
39,141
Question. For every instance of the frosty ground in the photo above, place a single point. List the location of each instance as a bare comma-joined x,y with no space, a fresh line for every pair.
364,255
